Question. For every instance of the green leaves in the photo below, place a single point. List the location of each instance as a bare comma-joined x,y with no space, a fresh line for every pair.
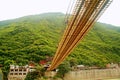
37,36
63,69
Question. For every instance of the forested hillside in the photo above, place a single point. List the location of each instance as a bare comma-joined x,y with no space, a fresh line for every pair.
32,38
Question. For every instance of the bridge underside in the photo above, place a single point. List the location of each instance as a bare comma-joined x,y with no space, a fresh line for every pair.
84,15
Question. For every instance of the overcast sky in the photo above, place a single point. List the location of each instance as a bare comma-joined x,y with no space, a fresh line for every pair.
10,9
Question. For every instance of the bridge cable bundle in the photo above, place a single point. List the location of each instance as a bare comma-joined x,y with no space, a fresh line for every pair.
84,14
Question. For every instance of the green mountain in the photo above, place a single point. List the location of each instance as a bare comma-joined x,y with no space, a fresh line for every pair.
32,38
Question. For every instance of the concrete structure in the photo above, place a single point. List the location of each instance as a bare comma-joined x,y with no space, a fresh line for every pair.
94,74
18,72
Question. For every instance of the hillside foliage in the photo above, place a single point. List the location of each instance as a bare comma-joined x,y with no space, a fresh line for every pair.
32,38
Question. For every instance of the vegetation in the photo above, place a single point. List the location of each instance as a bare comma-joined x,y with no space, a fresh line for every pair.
1,75
63,69
32,38
35,75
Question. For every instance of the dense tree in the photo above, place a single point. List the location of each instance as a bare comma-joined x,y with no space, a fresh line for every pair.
6,68
38,73
63,69
34,37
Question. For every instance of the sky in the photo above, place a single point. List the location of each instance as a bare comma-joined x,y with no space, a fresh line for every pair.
10,9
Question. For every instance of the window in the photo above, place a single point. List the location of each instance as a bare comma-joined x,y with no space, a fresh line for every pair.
11,70
20,73
24,73
11,73
25,70
16,69
16,73
20,69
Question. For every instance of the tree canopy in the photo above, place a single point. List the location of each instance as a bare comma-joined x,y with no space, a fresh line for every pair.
32,38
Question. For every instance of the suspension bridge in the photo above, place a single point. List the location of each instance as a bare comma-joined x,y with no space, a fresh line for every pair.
80,17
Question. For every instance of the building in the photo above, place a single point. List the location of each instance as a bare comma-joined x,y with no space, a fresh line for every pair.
78,67
112,65
18,72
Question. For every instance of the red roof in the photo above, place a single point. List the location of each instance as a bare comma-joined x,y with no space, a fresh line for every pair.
43,62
